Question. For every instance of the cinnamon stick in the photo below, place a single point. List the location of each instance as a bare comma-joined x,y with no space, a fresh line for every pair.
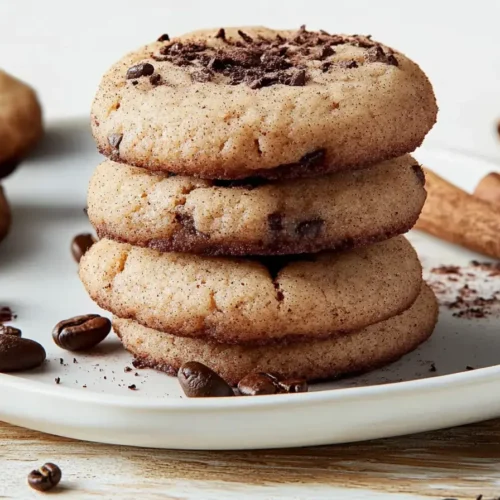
459,217
488,188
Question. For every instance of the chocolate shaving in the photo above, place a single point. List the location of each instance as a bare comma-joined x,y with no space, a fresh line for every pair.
221,34
260,62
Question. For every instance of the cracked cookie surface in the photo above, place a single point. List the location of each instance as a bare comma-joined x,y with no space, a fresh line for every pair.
258,300
241,102
356,352
187,214
20,121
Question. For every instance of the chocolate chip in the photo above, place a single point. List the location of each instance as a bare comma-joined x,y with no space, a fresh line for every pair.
115,140
245,37
81,244
10,330
143,69
352,64
294,385
202,76
132,387
326,66
164,38
298,79
45,478
17,354
259,384
221,34
275,221
186,221
199,381
6,314
81,332
310,228
155,79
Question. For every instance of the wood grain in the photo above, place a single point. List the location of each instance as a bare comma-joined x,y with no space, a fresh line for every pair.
460,463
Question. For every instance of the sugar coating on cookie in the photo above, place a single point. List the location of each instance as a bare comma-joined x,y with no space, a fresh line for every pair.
359,351
5,215
187,214
20,120
257,101
255,300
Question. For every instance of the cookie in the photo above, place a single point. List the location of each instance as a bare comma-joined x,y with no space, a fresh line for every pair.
360,351
5,216
253,301
187,214
235,103
20,121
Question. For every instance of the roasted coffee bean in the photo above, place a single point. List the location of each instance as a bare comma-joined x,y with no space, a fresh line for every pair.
45,478
10,330
199,381
144,69
17,354
259,384
294,385
81,332
80,244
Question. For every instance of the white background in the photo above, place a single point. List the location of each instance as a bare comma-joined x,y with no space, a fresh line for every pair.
63,47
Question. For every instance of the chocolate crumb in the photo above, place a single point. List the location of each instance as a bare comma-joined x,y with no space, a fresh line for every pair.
352,64
6,314
84,386
433,368
245,37
61,361
132,387
136,374
221,34
468,368
75,361
164,38
155,79
127,369
298,79
57,380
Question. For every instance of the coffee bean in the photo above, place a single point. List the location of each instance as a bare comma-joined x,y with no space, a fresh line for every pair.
18,354
45,478
259,384
143,69
294,385
10,330
199,381
81,332
80,244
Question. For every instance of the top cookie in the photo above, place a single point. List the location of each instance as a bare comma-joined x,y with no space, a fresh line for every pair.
20,121
235,103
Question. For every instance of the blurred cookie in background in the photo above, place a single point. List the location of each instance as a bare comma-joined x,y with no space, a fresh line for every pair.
20,124
5,217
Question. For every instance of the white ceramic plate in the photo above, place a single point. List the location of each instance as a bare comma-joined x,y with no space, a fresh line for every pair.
38,279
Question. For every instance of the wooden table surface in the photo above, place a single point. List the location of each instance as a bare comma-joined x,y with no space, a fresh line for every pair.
460,463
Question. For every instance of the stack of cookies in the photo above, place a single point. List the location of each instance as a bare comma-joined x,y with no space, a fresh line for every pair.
250,208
